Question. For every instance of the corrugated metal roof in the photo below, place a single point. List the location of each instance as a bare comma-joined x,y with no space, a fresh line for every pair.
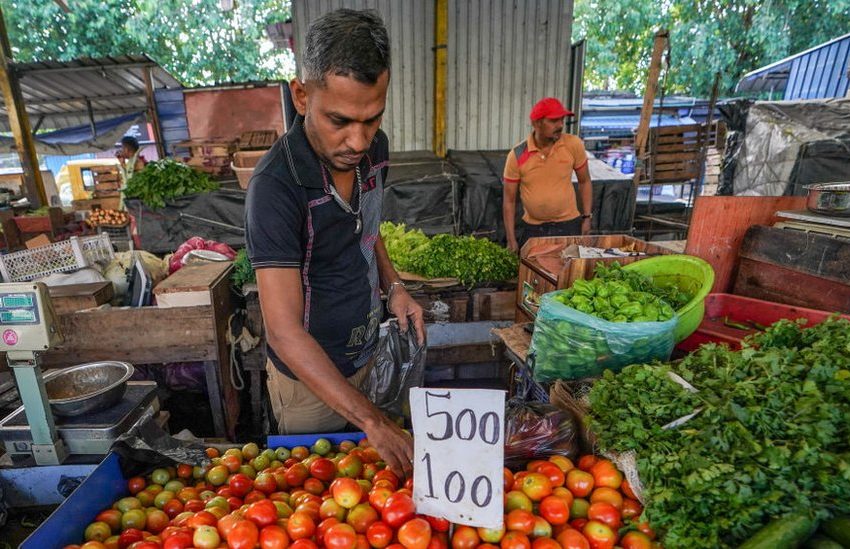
821,72
58,90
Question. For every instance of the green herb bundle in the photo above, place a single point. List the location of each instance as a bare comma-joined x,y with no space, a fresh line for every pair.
471,260
772,436
639,283
163,180
243,273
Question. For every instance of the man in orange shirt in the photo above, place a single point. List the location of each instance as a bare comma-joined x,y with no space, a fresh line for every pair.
541,167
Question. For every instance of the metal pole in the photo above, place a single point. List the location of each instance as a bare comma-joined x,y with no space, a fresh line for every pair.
441,34
19,122
153,115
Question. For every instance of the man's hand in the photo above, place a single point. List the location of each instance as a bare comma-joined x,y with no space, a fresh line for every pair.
405,309
513,245
393,444
585,226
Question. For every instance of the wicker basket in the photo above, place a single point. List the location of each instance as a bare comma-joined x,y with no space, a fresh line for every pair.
59,257
243,165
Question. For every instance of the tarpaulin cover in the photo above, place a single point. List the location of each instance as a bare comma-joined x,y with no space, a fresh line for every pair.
422,191
217,215
790,144
79,139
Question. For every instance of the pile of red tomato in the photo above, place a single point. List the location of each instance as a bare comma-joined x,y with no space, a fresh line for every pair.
343,498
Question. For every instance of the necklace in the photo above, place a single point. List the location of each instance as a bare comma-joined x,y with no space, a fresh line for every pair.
358,223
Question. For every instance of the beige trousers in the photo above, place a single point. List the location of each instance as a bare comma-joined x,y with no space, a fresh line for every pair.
297,410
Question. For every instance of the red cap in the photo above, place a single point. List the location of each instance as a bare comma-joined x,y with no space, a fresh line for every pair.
549,107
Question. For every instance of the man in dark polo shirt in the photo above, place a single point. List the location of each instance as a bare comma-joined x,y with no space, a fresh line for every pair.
312,217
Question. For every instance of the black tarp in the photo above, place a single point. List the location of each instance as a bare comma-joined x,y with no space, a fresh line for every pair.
422,191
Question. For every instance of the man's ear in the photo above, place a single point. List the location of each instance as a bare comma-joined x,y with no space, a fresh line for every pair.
299,95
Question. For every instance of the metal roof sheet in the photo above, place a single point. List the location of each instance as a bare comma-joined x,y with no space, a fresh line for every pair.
56,92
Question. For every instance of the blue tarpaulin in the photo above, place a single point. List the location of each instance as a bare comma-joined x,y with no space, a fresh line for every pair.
79,139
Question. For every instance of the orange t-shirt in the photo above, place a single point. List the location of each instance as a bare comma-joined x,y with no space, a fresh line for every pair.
545,181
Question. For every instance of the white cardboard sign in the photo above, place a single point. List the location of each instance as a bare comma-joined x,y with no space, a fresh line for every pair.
459,454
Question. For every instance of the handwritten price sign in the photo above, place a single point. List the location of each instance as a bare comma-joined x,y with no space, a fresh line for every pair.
459,454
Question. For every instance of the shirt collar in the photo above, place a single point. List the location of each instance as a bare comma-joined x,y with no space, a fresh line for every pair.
532,146
304,162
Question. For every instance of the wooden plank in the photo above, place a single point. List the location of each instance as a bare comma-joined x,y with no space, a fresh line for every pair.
818,255
770,282
197,277
472,353
223,308
498,306
718,225
680,148
685,128
672,157
77,297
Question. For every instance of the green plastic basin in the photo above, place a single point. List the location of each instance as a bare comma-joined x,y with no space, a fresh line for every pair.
691,275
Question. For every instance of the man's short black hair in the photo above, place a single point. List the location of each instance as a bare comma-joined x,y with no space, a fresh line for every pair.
347,42
130,141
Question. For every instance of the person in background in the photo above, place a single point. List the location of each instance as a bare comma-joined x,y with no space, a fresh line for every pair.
541,168
130,158
311,220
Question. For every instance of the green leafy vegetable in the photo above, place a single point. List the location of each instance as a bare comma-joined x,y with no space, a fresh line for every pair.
167,179
243,272
614,301
471,260
772,435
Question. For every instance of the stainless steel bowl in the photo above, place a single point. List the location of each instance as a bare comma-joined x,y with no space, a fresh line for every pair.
829,199
87,387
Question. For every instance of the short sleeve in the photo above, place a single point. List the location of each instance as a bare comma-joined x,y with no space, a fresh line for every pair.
576,148
274,221
511,174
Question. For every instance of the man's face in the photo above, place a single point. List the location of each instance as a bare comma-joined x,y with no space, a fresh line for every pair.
549,129
126,151
341,117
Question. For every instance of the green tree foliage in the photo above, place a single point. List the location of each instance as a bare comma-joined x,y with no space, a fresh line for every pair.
732,37
195,40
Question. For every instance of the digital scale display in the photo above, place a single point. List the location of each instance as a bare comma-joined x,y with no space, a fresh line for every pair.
18,308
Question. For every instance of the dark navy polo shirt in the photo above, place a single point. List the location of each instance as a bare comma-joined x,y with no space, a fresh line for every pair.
293,221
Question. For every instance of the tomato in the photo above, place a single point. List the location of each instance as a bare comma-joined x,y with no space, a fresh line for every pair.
243,535
350,466
300,526
226,524
604,512
147,544
184,471
181,540
631,509
635,540
586,462
330,508
398,510
112,517
378,497
389,476
188,494
555,510
536,486
273,537
361,517
311,508
92,545
606,474
362,542
578,524
580,483
136,485
157,521
206,537
379,534
340,536
515,540
240,485
508,480
134,518
192,506
130,535
265,483
254,496
439,540
545,543
262,513
599,535
438,524
542,529
491,535
126,504
564,494
644,527
579,508
519,520
572,539
296,475
608,495
323,527
303,544
518,476
217,475
415,534
97,531
346,492
553,472
626,488
564,463
232,463
465,537
323,469
517,500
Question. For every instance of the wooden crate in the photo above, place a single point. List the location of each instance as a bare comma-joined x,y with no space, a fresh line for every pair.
79,297
209,161
263,139
208,147
548,272
105,186
190,286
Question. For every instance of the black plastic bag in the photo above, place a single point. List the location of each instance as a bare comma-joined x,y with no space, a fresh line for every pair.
146,447
399,365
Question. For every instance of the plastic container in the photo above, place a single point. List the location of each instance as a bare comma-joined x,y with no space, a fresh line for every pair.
723,308
690,274
60,257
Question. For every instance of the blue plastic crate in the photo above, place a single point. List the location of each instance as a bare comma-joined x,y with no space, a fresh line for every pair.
290,441
67,524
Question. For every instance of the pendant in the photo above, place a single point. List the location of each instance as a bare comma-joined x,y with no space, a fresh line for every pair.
358,225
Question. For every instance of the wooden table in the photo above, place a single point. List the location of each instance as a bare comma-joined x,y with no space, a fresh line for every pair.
154,335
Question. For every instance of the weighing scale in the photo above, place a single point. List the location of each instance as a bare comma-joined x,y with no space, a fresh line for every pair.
28,328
